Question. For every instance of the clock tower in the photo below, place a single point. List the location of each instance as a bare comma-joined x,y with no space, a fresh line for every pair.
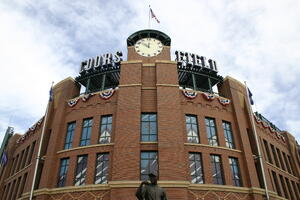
148,45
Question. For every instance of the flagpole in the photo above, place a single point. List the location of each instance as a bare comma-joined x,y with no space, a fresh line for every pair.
149,25
40,145
257,143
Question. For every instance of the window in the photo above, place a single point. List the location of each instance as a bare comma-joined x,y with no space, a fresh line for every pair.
149,127
235,172
69,135
268,151
149,163
63,169
283,187
192,128
86,132
286,162
295,189
280,159
105,129
274,155
81,170
228,135
291,165
102,163
217,171
196,169
211,131
289,188
276,183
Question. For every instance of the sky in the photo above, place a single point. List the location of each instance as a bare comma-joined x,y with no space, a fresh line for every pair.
257,41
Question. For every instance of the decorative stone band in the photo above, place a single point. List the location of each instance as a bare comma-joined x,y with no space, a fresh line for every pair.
30,131
271,129
191,94
105,94
164,184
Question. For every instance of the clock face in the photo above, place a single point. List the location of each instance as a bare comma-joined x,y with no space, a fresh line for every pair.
148,47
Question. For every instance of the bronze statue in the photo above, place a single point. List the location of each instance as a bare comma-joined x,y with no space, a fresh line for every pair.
151,191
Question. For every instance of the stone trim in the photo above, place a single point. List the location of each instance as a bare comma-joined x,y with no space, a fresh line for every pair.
281,170
131,62
166,62
216,147
149,142
85,147
16,174
148,64
131,85
167,85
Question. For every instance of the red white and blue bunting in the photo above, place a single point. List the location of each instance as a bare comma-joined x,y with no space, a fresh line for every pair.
30,131
224,101
208,96
190,94
271,129
72,102
106,94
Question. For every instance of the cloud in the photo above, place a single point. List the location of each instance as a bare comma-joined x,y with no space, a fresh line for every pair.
44,41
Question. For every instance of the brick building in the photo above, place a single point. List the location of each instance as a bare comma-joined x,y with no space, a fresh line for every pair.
179,118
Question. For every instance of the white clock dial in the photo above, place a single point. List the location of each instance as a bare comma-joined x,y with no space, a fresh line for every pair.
148,47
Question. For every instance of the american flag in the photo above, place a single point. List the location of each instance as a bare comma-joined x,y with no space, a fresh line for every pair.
4,159
153,16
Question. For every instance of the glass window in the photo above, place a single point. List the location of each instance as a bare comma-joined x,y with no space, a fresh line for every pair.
148,127
86,132
192,128
274,155
102,163
283,186
268,151
81,168
211,131
105,129
286,163
235,172
196,169
289,188
217,171
149,163
228,135
276,183
69,135
280,159
62,174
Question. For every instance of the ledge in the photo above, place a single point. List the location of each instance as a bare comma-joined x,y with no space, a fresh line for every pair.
149,142
168,85
85,147
163,184
166,62
17,173
215,147
131,85
132,62
285,172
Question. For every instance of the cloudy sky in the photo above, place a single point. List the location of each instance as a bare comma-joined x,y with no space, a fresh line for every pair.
44,41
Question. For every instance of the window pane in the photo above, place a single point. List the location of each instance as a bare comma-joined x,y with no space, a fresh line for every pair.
102,164
69,135
211,132
148,127
81,170
228,135
148,164
235,172
192,129
86,132
196,170
217,171
64,164
105,129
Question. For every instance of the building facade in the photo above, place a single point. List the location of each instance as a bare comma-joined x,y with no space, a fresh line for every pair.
146,114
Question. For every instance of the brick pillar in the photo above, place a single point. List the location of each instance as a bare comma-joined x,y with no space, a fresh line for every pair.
125,159
172,164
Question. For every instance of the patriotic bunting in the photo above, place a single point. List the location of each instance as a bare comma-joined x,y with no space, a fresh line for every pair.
86,97
106,94
30,131
223,101
189,94
208,96
72,102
